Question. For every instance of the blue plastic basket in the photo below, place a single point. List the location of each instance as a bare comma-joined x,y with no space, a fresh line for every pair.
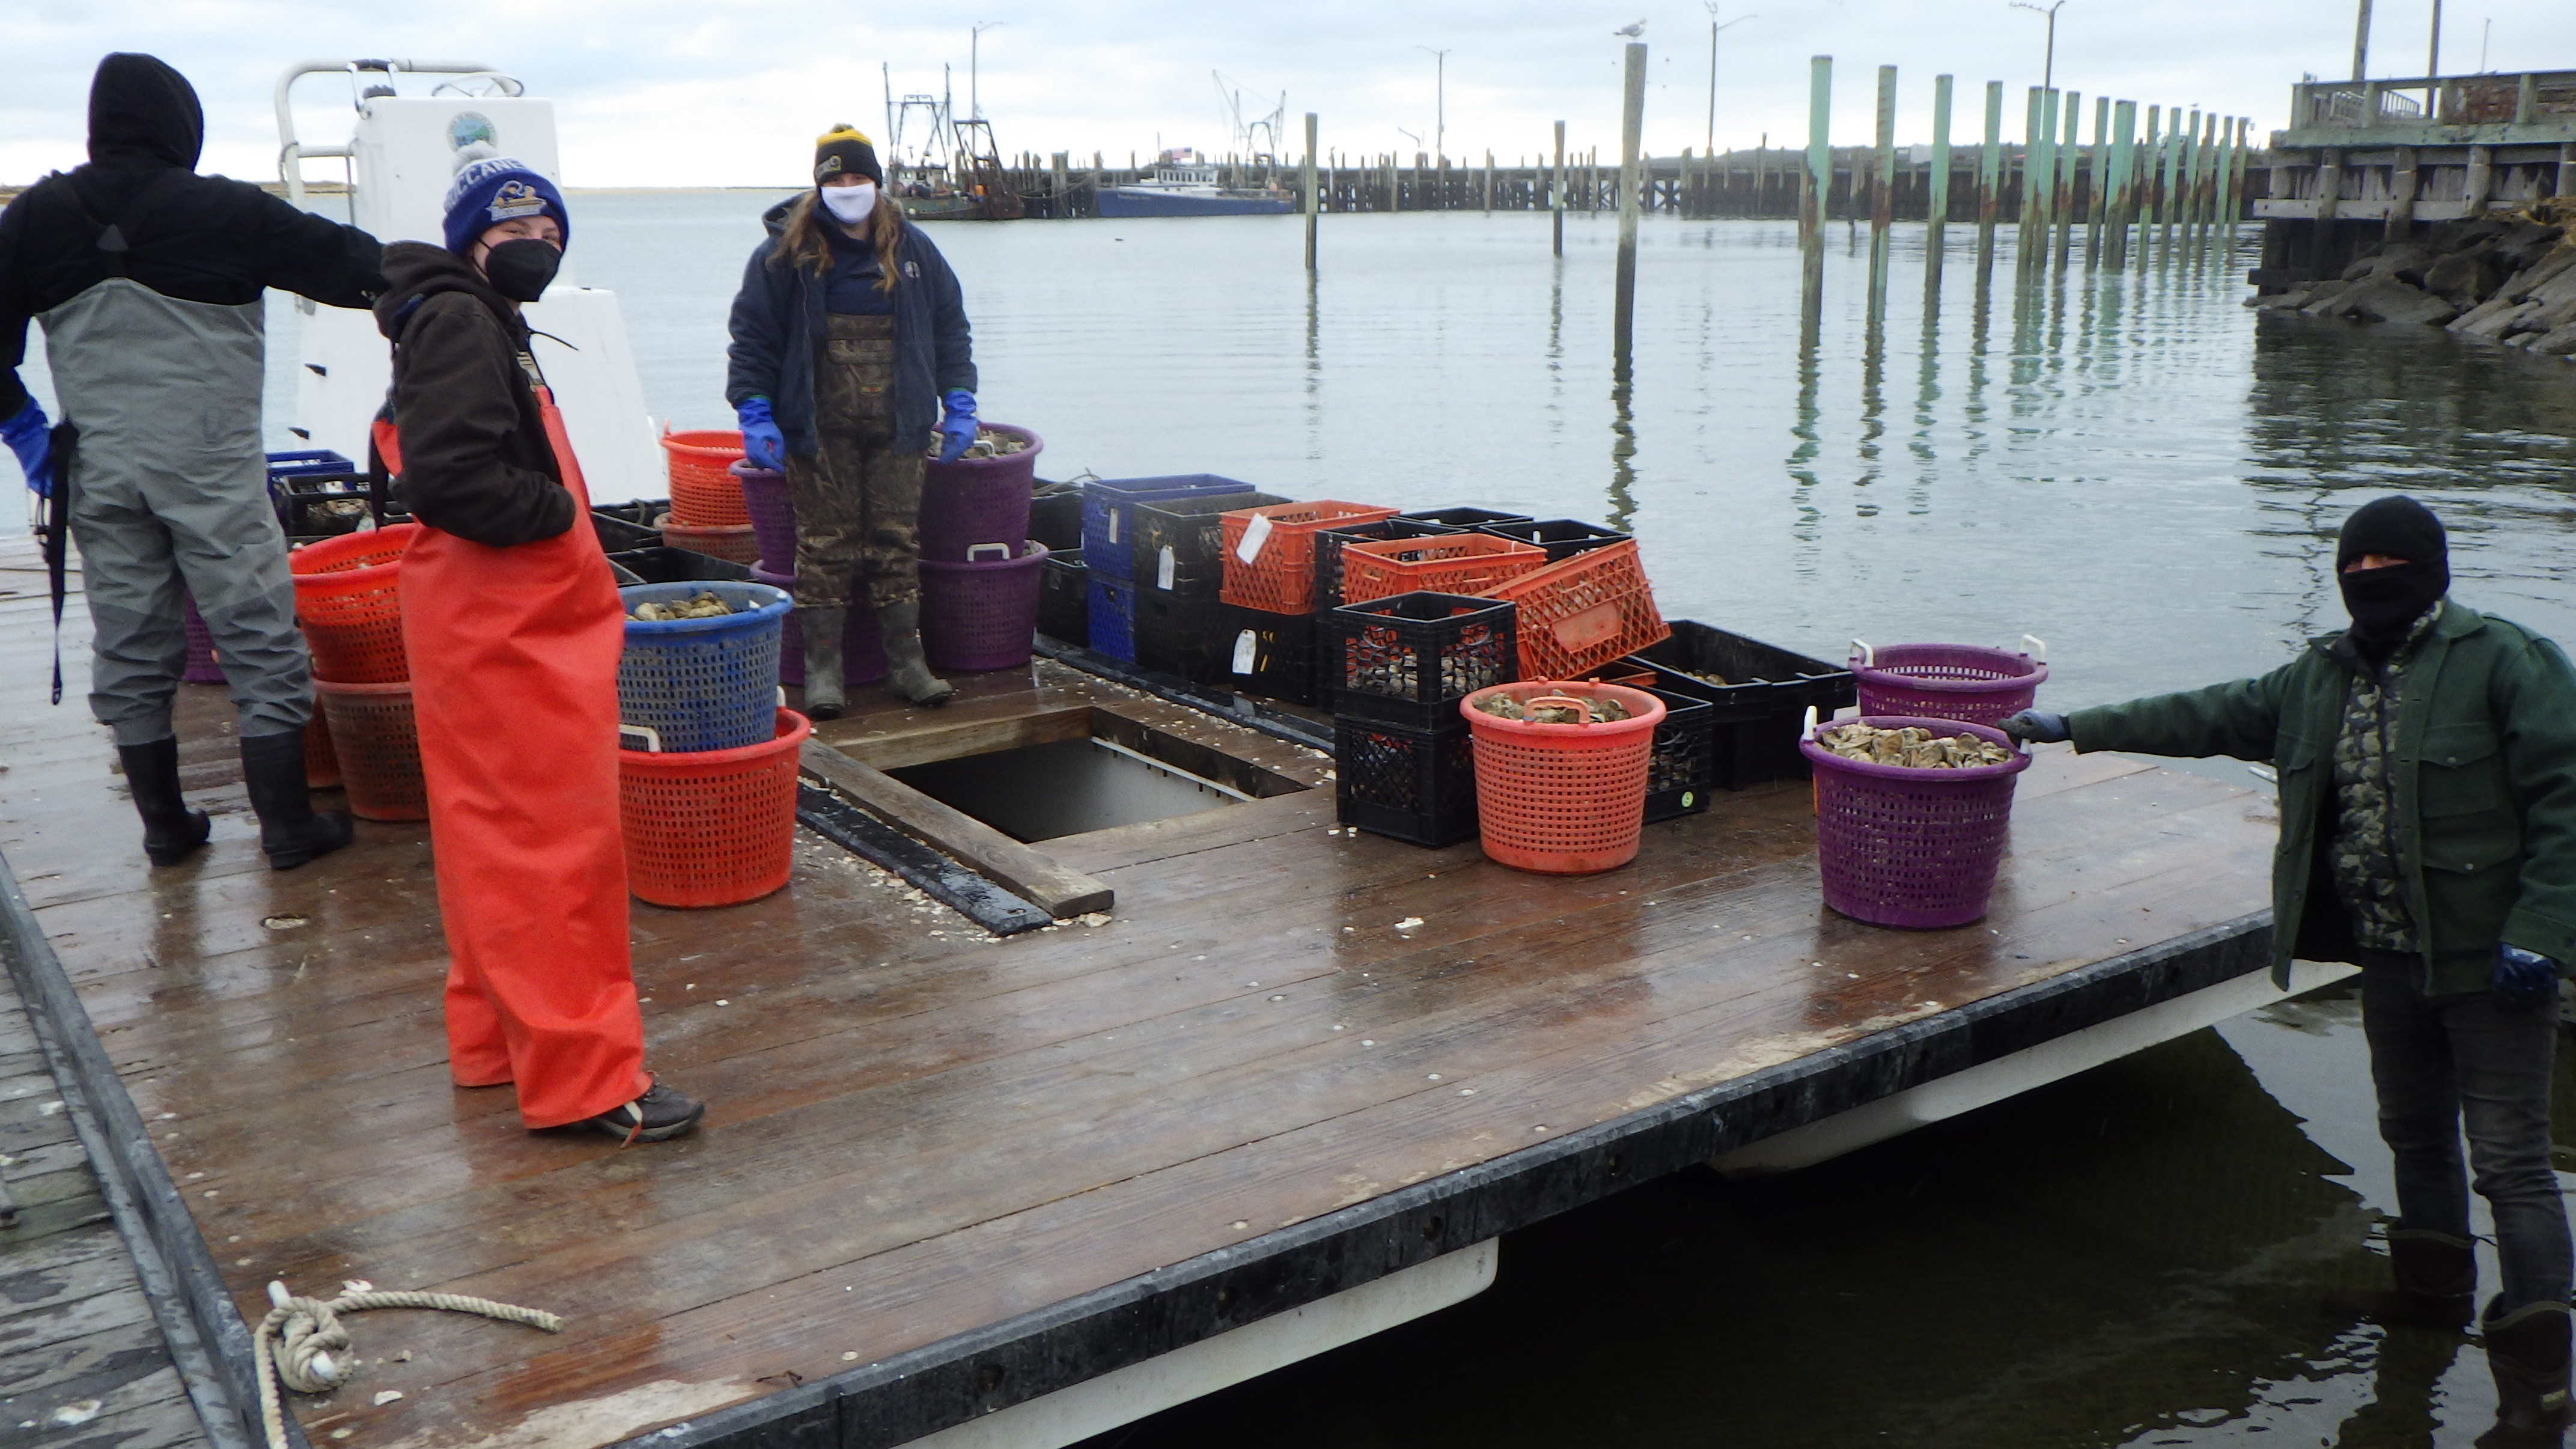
702,684
1113,618
1109,524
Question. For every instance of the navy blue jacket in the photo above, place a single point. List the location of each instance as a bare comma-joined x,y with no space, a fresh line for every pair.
778,321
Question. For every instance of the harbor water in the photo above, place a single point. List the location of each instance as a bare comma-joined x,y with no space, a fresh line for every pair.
2132,467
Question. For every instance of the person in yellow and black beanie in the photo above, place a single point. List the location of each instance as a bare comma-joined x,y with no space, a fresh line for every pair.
849,343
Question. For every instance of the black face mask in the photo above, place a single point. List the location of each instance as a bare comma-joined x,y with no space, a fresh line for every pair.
2385,602
521,268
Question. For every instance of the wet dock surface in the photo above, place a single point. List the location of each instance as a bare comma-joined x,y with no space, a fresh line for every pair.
943,1172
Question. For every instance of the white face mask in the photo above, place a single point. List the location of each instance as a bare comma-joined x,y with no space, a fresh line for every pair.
850,204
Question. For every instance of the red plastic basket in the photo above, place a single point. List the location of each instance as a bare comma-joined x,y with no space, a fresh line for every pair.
735,542
1580,613
1279,576
704,492
1947,681
348,600
1464,563
377,746
711,827
1915,848
1562,799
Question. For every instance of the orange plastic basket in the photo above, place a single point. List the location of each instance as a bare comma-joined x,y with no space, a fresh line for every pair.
711,827
1580,613
726,541
704,492
348,600
377,746
1562,799
1459,563
1279,575
321,766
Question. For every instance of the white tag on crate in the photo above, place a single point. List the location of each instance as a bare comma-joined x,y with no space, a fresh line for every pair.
1113,525
1255,534
1246,644
1163,570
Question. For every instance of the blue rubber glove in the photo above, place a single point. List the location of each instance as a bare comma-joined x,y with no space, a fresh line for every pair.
2036,726
2522,979
957,429
763,446
31,438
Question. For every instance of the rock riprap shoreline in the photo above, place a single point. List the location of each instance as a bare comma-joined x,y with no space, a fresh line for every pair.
2509,279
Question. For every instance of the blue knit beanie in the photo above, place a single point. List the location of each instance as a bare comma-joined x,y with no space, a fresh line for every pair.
494,189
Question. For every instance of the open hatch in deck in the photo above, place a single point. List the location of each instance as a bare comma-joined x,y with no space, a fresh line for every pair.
943,1173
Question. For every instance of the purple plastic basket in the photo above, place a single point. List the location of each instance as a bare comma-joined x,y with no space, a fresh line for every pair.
773,517
1946,681
1913,848
202,667
983,614
978,500
862,657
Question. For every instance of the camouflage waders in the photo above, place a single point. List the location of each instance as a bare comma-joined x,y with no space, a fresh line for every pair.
858,499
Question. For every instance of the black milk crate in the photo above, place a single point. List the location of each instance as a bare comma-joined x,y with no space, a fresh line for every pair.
1064,597
1465,516
1762,705
1055,516
664,565
1180,542
1272,655
1410,784
1183,634
1683,767
618,533
1328,551
1563,538
1409,658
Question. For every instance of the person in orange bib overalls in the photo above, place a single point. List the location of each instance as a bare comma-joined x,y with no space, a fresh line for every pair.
513,624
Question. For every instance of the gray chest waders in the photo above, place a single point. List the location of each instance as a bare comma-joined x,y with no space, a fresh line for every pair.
169,492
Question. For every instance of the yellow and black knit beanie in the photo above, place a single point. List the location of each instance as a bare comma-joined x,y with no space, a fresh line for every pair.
842,149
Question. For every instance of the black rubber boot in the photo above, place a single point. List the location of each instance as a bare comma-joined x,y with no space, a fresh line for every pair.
2527,1354
661,1114
171,831
2435,1283
822,630
290,830
907,673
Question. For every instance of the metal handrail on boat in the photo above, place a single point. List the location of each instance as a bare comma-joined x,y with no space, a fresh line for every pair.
291,152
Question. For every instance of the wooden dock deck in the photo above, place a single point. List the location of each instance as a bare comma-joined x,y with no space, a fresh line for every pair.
944,1173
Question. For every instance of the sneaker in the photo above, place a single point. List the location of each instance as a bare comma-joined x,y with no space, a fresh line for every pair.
660,1114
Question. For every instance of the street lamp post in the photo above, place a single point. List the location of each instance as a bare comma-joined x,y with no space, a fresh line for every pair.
1713,29
974,54
2048,71
1440,100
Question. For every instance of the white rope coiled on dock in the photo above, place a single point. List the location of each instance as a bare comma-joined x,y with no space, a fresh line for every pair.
308,1339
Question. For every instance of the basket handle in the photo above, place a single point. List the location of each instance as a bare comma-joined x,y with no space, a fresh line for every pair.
651,737
1582,707
1807,731
974,552
2035,647
1867,656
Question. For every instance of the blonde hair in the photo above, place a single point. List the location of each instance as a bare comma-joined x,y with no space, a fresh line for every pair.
802,242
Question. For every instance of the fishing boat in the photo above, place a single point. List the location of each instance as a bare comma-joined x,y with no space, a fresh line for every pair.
1189,187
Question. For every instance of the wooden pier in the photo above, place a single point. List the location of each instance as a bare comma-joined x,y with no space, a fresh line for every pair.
946,1175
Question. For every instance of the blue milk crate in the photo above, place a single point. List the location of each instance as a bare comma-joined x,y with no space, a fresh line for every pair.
1108,523
1113,617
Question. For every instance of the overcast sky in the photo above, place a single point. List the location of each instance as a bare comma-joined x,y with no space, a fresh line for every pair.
731,92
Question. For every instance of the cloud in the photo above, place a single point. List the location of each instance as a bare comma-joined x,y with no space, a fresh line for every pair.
715,92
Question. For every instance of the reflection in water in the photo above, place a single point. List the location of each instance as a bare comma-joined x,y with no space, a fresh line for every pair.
1623,443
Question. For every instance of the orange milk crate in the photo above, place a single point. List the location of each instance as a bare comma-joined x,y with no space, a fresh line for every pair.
1270,551
1458,563
1581,612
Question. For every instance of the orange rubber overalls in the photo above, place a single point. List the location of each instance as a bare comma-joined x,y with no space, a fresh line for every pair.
514,685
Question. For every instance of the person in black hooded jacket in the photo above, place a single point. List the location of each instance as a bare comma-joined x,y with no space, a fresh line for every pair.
148,280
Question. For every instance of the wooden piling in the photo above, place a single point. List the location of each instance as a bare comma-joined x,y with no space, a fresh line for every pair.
2169,189
1936,206
1882,192
2097,190
2034,141
2061,191
1632,125
2041,174
2121,184
1990,177
1818,179
1556,193
1314,200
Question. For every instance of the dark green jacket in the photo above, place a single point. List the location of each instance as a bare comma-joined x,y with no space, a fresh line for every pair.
2484,761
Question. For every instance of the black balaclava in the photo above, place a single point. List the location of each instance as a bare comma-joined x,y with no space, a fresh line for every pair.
2386,602
143,114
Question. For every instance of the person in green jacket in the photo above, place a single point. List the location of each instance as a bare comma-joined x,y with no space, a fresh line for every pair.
2427,767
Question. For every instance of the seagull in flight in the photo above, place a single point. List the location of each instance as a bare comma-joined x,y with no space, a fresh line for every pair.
1631,31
